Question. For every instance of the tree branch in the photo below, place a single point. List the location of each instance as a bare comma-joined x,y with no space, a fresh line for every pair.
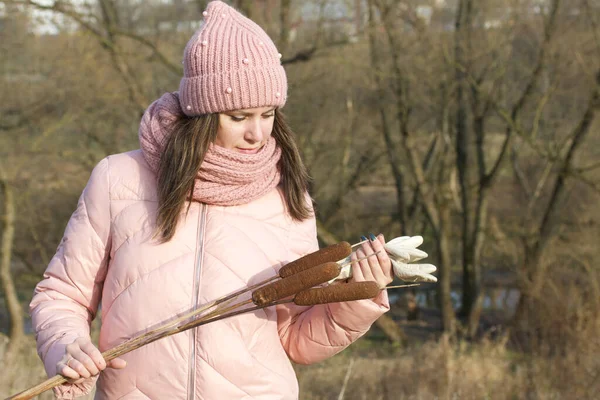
579,134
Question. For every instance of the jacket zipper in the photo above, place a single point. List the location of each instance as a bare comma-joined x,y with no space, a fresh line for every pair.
195,296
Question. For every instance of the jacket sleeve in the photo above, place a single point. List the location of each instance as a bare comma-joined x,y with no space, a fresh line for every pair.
312,334
65,302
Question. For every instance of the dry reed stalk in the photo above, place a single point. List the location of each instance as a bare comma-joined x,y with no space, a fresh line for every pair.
359,290
346,379
402,286
162,332
289,286
367,290
332,253
133,343
171,328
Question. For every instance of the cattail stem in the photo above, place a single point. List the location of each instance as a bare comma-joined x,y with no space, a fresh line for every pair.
116,351
217,302
234,295
402,286
172,328
213,316
134,344
359,259
359,243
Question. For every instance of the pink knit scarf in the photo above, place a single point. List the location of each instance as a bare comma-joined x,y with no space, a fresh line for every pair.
226,177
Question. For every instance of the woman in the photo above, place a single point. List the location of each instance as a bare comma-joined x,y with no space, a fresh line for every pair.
214,200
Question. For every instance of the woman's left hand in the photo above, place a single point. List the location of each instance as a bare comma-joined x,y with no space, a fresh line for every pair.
376,268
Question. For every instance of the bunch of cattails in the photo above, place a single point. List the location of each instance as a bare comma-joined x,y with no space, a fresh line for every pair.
300,282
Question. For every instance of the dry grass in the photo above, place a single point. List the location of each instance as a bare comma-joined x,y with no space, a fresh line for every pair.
434,370
561,360
446,370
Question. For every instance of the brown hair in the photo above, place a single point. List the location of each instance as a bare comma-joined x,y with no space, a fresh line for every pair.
185,150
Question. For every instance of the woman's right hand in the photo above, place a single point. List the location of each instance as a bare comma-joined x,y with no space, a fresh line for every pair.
83,360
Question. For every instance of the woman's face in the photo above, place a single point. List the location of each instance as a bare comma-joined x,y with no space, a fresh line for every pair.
247,130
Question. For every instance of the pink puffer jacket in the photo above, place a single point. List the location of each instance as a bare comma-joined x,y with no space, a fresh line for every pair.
108,255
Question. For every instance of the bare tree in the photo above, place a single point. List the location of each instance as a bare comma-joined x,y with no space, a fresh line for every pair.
435,200
541,233
106,28
472,119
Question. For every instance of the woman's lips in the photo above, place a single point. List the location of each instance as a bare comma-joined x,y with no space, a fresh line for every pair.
248,151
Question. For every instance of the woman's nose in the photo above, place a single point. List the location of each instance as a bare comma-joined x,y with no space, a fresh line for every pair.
254,131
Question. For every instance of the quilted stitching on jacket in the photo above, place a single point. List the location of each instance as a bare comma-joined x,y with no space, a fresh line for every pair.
146,283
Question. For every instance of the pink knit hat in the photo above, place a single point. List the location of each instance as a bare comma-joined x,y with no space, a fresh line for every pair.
229,64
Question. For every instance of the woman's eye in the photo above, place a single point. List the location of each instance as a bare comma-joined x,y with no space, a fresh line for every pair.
240,119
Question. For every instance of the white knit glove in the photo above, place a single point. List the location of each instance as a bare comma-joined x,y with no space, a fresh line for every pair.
402,252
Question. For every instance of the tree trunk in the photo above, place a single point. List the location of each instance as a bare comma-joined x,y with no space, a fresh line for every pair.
17,331
445,267
462,142
284,26
530,264
475,287
473,204
396,172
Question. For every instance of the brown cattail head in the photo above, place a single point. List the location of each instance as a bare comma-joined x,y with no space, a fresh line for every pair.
331,253
295,283
337,293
